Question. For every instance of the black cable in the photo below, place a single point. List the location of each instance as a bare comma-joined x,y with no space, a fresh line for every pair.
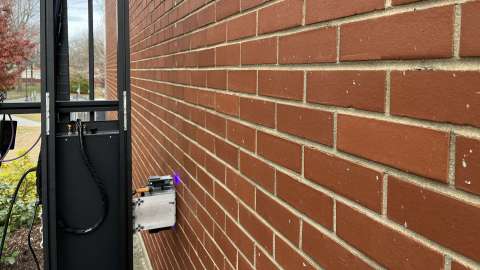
30,235
100,186
12,203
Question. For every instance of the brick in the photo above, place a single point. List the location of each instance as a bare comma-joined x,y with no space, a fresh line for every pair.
328,253
241,187
215,167
364,90
205,181
288,258
306,123
467,164
198,78
215,211
280,151
206,99
458,266
226,152
244,81
262,234
264,262
416,208
258,171
225,8
216,124
470,35
205,258
198,39
228,55
242,27
257,111
281,84
197,192
204,219
318,11
263,51
206,58
241,135
312,203
227,104
402,2
248,4
214,252
278,216
226,200
216,34
317,46
225,246
206,140
206,16
283,15
243,264
412,149
386,246
415,35
441,96
358,183
217,79
240,239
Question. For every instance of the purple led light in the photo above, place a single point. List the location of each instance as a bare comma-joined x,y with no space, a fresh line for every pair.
176,179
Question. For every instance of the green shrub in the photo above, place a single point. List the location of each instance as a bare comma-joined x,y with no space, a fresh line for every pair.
78,80
10,174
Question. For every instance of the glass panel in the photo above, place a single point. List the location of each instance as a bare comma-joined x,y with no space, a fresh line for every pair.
78,48
20,41
111,43
104,49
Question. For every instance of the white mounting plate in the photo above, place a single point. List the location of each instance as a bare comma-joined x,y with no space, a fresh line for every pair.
155,211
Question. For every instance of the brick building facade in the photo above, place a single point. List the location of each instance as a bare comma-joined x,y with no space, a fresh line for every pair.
310,134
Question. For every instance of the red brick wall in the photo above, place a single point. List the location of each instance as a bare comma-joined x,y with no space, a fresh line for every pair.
311,133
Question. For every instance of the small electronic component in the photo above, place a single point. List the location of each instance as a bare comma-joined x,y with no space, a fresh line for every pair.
155,209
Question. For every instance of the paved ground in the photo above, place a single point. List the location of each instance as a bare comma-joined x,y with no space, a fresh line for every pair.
140,259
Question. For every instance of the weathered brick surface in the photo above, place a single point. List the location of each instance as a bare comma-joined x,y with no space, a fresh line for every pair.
467,164
470,35
309,134
414,35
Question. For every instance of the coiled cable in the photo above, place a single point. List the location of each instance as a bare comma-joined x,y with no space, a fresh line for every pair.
98,183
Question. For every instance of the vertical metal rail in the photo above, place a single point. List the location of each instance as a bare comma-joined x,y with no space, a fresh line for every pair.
48,66
123,95
62,61
91,58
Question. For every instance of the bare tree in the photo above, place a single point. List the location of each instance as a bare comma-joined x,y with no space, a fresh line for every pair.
25,15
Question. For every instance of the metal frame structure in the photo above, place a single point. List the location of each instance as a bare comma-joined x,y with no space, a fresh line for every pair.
52,107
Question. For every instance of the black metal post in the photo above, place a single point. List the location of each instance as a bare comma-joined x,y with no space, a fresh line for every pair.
48,66
123,94
91,58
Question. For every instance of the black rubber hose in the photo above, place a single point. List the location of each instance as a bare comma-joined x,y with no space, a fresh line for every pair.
12,203
99,184
30,246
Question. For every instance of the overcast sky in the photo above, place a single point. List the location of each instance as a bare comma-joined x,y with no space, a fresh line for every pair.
78,16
